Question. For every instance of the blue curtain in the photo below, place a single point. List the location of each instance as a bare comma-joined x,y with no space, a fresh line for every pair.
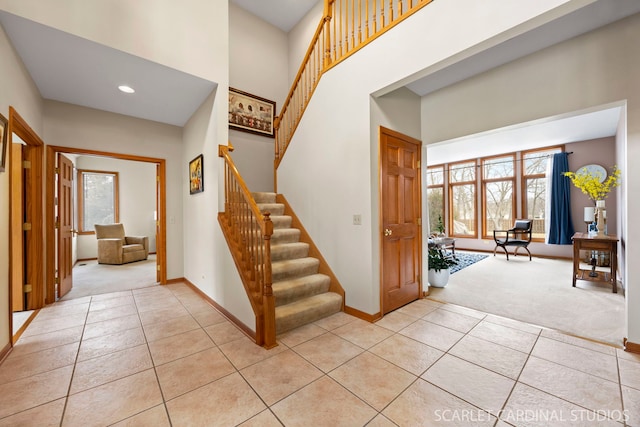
560,224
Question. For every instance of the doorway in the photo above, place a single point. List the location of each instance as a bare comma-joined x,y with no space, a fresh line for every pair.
53,264
401,219
26,243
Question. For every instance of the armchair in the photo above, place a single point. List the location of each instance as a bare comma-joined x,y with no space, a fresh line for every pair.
518,237
116,248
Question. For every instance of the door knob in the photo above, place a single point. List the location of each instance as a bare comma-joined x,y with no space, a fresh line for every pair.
387,232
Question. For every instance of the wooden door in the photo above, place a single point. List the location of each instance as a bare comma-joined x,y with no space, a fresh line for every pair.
17,231
159,244
65,224
401,218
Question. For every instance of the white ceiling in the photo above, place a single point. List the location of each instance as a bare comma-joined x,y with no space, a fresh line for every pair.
74,70
284,14
594,123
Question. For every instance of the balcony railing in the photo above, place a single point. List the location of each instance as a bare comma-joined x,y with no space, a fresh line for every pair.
346,26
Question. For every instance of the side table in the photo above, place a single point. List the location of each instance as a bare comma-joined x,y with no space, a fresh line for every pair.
605,243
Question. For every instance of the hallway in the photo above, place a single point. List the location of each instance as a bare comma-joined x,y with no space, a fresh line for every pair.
163,356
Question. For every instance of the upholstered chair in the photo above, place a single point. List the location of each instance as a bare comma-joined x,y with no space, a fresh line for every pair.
116,248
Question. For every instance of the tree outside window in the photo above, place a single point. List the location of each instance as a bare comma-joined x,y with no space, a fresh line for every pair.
462,201
97,199
435,196
498,181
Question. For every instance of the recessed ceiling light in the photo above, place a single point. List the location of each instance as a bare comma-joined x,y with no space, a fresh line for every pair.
126,89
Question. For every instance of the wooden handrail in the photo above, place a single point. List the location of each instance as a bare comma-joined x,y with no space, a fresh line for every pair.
339,35
248,232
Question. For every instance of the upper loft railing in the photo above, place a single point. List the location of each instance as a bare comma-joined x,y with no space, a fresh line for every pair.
248,233
346,26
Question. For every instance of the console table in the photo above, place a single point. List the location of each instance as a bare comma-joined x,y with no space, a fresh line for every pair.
606,243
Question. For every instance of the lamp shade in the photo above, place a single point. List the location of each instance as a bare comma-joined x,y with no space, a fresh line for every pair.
589,214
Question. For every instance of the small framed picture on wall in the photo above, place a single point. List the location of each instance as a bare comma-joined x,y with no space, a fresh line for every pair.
196,175
251,113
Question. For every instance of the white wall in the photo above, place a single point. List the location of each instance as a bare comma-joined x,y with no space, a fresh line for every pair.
73,126
207,262
300,38
326,172
257,65
189,35
17,90
594,69
136,199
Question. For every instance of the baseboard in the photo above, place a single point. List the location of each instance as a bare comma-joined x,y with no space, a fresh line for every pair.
490,251
362,315
631,347
16,336
4,353
178,280
233,319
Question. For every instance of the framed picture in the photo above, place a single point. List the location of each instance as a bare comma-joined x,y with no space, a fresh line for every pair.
250,113
196,175
4,141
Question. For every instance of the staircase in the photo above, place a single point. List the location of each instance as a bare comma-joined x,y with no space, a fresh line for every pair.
301,293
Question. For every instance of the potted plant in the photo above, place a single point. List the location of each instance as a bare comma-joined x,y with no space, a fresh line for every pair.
439,267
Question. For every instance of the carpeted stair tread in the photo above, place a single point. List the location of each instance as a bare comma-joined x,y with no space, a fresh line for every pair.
272,208
290,269
286,251
281,221
264,197
285,235
288,291
307,310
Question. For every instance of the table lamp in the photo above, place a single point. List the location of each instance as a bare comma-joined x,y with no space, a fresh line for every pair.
589,215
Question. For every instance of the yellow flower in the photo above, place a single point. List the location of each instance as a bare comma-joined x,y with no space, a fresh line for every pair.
590,184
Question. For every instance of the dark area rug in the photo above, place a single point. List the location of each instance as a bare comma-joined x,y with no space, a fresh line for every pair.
465,260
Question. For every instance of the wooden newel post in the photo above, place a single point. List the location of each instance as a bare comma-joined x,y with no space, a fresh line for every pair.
328,14
269,301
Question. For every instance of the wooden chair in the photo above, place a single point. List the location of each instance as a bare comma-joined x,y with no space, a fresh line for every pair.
518,237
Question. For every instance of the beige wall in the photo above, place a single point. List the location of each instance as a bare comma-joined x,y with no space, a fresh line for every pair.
73,126
136,200
17,90
257,65
597,68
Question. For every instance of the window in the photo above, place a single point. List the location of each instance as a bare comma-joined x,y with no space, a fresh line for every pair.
97,199
498,183
435,196
462,200
534,170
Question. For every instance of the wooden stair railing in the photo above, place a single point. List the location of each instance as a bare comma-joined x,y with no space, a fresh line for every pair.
346,26
248,233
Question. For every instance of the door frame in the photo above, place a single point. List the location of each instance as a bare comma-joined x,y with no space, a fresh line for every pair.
161,225
32,189
383,130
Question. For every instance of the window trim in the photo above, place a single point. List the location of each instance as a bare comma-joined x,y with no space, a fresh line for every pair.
451,185
116,197
483,184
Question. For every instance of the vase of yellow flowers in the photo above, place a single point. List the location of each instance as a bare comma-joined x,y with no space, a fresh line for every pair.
597,187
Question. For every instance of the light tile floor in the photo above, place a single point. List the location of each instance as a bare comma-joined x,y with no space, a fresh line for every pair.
162,356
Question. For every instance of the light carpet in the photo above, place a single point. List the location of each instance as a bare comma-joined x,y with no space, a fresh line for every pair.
91,278
538,292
